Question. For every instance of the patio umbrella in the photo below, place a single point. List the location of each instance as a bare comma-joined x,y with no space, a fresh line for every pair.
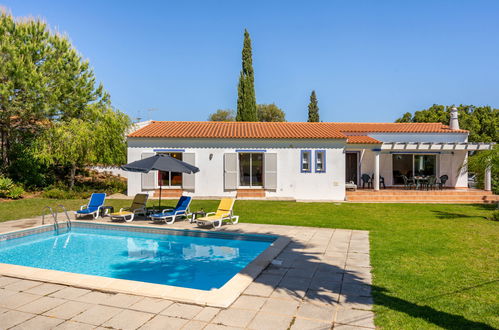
160,162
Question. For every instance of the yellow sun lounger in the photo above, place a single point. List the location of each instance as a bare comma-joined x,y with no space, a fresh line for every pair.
128,213
223,213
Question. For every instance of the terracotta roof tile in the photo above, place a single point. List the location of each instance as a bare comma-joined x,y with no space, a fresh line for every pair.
362,139
396,128
292,130
239,130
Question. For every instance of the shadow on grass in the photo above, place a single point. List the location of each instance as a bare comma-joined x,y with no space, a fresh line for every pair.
317,278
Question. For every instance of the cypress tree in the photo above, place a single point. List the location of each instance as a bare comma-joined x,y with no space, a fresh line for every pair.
313,109
246,99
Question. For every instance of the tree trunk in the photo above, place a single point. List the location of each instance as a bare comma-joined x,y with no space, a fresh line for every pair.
72,177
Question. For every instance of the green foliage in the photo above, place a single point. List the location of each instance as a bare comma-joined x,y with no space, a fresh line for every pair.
222,115
59,193
313,109
478,162
9,189
246,99
270,113
482,122
494,216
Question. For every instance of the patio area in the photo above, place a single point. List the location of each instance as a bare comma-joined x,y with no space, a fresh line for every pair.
321,280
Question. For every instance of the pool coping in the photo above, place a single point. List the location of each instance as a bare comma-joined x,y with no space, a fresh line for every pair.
222,297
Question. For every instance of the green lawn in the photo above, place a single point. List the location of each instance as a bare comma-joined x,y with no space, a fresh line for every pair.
435,266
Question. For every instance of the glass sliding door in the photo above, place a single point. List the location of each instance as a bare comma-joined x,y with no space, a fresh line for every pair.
413,165
251,169
170,179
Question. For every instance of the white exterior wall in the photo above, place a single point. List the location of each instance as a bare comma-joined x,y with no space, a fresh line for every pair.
291,183
419,137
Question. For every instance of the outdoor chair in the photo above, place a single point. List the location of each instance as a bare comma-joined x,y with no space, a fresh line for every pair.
128,213
93,207
223,213
381,181
443,180
408,183
431,183
366,179
181,210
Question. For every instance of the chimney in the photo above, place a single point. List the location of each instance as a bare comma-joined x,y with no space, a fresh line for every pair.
454,122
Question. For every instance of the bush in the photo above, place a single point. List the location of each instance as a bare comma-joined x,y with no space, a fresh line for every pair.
495,216
58,193
5,185
15,192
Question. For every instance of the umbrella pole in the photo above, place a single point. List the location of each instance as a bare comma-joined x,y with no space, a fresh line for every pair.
159,198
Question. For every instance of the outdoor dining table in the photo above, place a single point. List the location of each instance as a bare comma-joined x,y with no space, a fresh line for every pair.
420,181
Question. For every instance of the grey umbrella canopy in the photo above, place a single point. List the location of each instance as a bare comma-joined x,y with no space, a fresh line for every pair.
160,162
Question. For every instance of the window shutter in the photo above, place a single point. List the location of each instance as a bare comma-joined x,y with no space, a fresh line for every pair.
149,179
230,171
188,180
270,164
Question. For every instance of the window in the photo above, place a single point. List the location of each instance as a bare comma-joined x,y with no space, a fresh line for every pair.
170,179
410,165
306,160
251,169
320,161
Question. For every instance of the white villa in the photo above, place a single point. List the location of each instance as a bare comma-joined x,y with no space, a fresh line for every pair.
297,161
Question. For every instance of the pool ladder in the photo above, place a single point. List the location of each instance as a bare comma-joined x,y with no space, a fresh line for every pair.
54,216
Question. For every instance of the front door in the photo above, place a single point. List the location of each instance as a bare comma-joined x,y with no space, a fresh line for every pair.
351,167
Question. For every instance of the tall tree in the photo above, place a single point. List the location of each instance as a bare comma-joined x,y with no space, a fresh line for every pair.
246,99
270,113
222,115
313,109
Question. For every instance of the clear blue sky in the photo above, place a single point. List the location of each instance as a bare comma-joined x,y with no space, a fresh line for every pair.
367,60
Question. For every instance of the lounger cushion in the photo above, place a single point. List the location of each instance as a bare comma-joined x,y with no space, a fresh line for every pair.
87,210
212,218
121,214
166,214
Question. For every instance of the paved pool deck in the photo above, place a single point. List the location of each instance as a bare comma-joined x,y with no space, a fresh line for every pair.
321,280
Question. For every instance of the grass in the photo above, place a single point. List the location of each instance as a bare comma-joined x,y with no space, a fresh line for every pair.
434,265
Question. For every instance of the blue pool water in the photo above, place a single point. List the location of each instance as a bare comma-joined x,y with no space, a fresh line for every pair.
186,261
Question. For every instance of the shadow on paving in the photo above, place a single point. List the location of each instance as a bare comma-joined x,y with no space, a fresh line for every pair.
311,276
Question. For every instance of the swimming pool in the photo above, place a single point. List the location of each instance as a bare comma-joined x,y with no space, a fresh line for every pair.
188,259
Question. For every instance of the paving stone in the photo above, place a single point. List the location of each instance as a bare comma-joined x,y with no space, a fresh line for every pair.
164,323
322,297
17,299
45,289
121,300
355,317
267,321
21,285
234,317
151,305
39,322
68,310
259,289
12,318
306,324
95,297
317,312
70,293
220,327
70,325
194,325
128,319
282,293
185,311
207,314
41,305
355,290
5,280
279,306
96,315
249,302
356,302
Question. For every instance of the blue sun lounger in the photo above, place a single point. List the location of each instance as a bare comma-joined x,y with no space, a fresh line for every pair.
94,205
181,210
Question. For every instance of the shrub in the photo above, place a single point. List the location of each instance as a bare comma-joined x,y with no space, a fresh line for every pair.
5,185
495,216
58,193
15,192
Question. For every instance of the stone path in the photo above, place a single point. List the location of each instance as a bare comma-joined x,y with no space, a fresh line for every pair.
321,280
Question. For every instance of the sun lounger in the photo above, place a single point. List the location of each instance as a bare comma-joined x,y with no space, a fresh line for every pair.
138,207
94,205
170,215
223,213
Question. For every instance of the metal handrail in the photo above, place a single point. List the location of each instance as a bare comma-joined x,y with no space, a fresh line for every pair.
60,206
56,224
